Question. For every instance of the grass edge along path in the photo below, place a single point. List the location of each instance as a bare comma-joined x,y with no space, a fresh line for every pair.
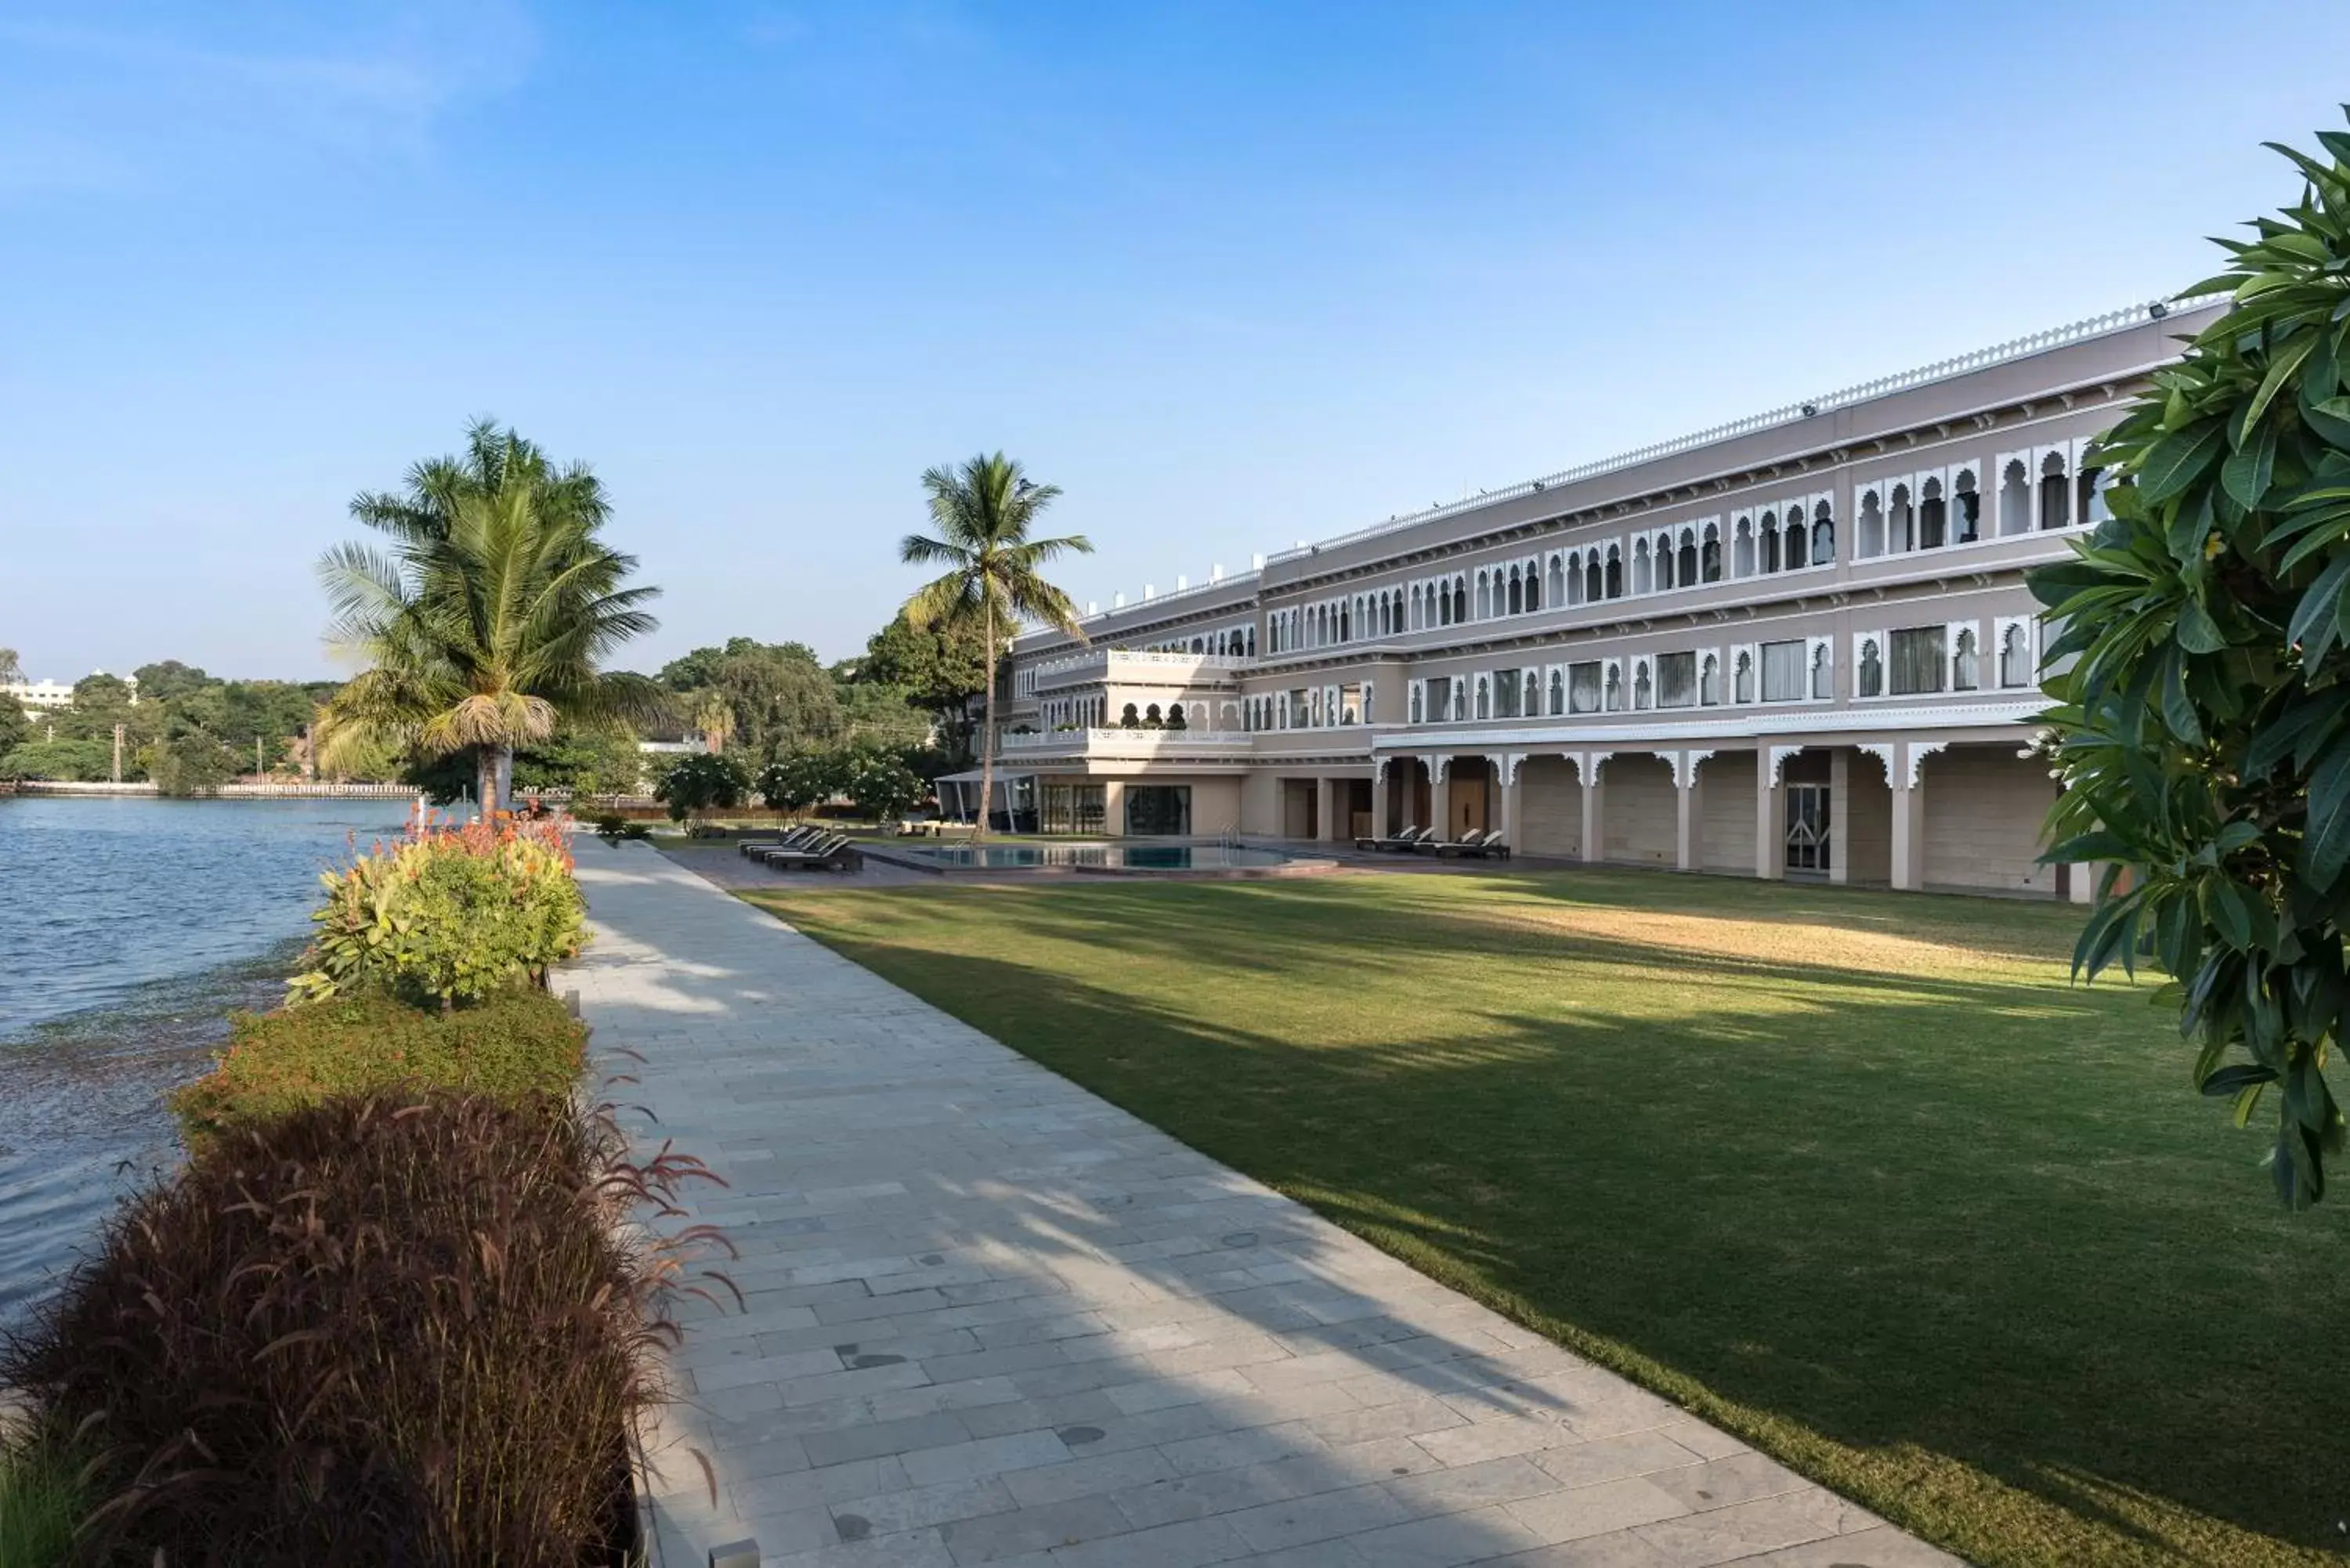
2076,1426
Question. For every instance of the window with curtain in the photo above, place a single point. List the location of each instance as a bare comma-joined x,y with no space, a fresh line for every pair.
1583,687
1505,692
1966,662
1745,677
2015,657
1870,679
1677,681
1708,680
1784,671
1917,660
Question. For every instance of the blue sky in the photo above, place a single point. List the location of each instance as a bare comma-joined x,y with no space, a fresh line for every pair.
1231,274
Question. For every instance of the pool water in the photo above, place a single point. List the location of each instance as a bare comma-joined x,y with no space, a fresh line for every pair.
1103,858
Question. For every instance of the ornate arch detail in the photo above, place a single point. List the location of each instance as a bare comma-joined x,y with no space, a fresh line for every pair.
1685,766
1440,769
1919,751
1510,763
1883,751
1777,764
1598,764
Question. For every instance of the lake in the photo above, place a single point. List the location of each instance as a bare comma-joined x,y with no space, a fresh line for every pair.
128,928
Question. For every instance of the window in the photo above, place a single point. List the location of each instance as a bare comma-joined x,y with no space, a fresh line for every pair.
1583,687
1557,690
1484,598
1823,535
1784,671
1615,573
1966,662
1966,509
1823,674
1900,531
2091,492
1708,680
1710,554
1796,552
1614,688
1484,696
1440,701
2015,655
1742,549
1746,676
1158,810
1517,593
1677,681
2055,492
1644,688
1072,808
1917,660
1460,600
1868,676
1419,702
1557,594
1933,514
1534,588
1770,540
1530,682
1872,526
1643,580
1505,692
2014,498
1352,702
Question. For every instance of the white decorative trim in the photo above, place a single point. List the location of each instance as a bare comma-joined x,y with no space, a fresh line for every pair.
1685,765
1779,718
1919,751
1598,764
1511,763
1778,764
1882,751
1439,768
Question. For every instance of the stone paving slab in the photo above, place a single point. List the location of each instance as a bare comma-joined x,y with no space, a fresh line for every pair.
993,1319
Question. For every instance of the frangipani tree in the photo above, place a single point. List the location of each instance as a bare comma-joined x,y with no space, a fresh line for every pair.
2203,731
487,619
984,511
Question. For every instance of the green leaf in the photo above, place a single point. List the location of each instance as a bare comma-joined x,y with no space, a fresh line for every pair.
2246,474
2178,459
2178,710
2236,1077
2325,842
2312,627
2198,632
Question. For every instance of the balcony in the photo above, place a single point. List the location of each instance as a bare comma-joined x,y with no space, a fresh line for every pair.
1097,666
1127,743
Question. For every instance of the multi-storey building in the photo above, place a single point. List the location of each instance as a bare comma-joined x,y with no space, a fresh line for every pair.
1798,644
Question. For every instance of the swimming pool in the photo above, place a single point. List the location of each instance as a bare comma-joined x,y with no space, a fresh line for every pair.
1098,858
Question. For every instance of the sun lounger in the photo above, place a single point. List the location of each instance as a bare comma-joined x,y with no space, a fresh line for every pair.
833,853
793,838
1493,847
1411,835
1438,846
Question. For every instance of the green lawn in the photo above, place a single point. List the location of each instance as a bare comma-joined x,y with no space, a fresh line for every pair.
1858,1176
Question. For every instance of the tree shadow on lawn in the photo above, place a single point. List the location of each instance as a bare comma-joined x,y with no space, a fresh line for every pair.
1850,1224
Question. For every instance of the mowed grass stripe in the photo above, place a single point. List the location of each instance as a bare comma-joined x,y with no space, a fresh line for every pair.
1860,1177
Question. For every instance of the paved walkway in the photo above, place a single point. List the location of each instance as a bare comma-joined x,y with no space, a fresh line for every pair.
993,1319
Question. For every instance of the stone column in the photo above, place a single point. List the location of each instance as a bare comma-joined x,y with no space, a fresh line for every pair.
1506,796
1325,808
1771,810
1910,819
1839,811
1439,797
1379,828
2085,882
1689,790
1591,767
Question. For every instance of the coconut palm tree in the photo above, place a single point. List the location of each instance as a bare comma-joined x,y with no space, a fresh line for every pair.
486,618
983,509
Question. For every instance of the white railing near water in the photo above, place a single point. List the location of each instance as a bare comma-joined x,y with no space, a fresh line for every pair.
229,791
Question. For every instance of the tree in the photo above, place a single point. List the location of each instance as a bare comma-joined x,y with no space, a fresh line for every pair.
2203,736
881,786
11,670
15,729
793,783
701,782
937,669
484,622
765,698
170,678
984,511
191,763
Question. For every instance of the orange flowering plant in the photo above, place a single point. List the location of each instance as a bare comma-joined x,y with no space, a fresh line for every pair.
446,914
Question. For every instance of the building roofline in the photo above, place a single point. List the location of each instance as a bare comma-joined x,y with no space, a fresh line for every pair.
2111,321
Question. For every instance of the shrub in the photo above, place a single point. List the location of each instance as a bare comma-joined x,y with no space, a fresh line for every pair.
882,786
516,1044
372,1332
45,1492
700,782
614,827
447,915
2202,675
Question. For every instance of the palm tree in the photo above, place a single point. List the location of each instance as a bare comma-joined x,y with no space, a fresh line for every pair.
486,618
983,509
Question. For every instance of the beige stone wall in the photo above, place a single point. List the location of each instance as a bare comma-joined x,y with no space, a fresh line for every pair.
1261,803
1867,808
1297,811
1215,805
1641,811
1984,806
1550,808
1728,812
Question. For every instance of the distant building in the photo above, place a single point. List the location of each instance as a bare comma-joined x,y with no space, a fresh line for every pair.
33,696
1798,645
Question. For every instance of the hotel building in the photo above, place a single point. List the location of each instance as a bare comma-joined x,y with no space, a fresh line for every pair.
1796,645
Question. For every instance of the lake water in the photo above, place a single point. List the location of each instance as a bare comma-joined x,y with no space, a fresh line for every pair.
128,928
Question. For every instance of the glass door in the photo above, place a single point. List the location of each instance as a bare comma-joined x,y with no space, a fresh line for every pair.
1808,827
